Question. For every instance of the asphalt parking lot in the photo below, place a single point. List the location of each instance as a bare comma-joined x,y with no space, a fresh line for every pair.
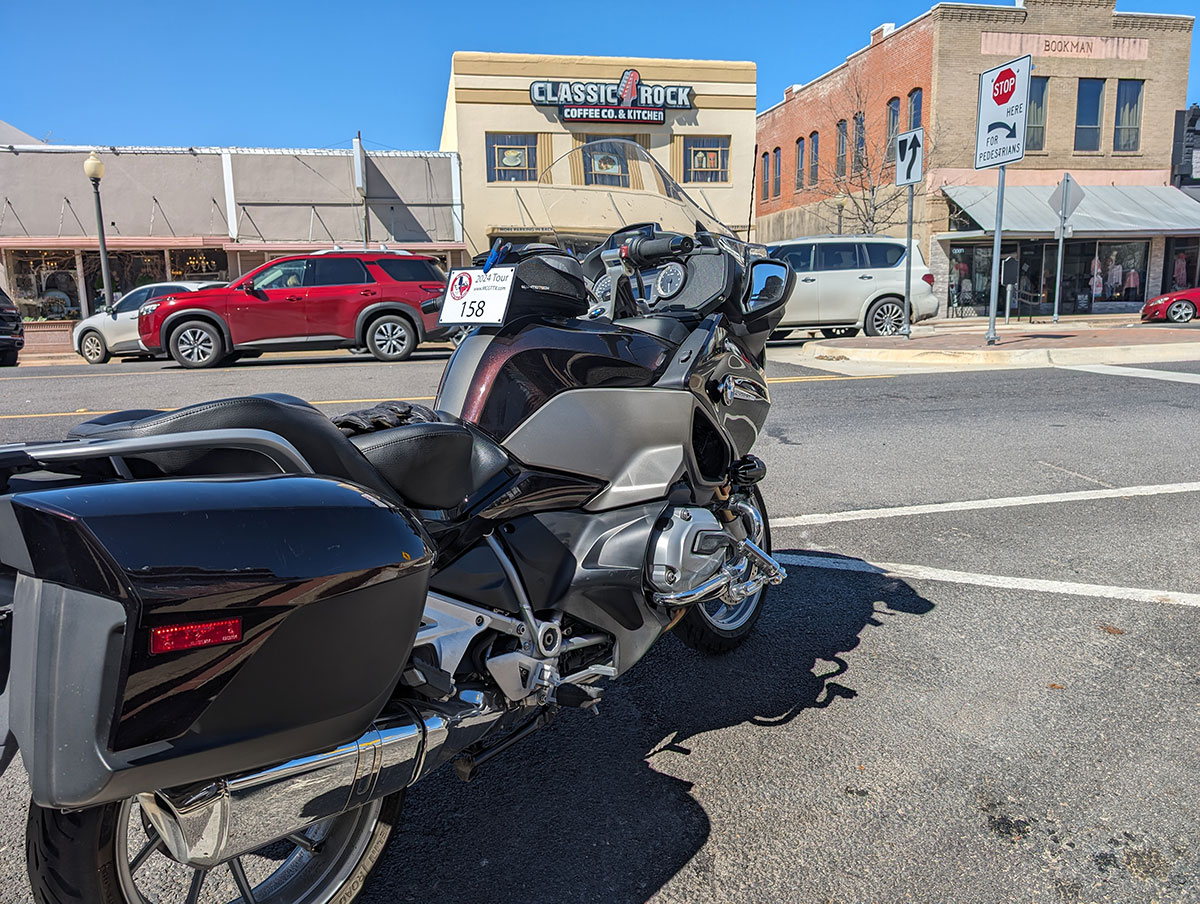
979,682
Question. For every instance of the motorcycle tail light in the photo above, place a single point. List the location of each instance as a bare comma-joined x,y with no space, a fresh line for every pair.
173,638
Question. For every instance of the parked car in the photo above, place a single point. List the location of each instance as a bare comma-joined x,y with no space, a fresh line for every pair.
1177,307
12,331
847,283
338,299
114,331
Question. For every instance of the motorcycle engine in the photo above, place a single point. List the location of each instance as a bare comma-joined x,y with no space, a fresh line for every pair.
688,547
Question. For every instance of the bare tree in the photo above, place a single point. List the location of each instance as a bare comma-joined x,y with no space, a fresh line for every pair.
860,180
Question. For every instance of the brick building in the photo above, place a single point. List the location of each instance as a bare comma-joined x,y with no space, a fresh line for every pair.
1105,91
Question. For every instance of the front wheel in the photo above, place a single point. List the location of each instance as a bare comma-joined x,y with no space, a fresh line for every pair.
197,343
112,855
1181,311
718,626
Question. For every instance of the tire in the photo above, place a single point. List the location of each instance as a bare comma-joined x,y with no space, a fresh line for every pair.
85,856
884,318
704,631
92,348
1181,311
839,332
391,338
196,344
8,358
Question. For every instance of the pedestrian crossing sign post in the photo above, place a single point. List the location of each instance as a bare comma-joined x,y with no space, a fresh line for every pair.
910,169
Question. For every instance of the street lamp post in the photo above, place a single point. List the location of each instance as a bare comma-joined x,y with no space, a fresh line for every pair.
841,205
93,168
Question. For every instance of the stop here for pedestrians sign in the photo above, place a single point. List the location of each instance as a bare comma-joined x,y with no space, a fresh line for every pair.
1003,104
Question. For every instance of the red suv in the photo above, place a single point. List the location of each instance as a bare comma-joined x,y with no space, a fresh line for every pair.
330,299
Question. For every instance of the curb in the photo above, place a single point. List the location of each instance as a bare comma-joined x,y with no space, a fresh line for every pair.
1025,357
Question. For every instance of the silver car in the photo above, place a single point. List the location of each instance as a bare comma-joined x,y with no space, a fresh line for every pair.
114,331
847,283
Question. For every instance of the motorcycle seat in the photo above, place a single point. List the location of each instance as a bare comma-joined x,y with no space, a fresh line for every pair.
320,443
426,465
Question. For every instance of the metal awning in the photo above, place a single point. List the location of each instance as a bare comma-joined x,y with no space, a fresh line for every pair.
1106,210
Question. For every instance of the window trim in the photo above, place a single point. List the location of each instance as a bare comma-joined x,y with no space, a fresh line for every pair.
1098,128
799,163
814,157
916,94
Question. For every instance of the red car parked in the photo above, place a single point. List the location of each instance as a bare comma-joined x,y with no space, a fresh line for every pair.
1177,307
335,299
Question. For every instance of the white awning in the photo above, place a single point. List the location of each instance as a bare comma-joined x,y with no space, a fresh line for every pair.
1106,210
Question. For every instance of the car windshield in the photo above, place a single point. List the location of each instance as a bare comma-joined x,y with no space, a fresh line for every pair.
603,186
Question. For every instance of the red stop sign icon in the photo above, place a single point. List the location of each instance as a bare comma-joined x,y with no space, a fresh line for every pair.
1004,86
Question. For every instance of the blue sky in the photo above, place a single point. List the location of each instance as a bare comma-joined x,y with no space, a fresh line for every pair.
309,74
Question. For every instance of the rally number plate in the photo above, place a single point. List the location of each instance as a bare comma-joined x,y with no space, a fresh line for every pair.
476,298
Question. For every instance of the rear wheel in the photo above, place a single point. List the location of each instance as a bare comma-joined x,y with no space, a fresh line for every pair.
112,855
391,338
197,344
884,318
92,347
718,626
1181,311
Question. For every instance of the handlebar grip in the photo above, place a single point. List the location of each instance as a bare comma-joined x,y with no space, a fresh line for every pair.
646,251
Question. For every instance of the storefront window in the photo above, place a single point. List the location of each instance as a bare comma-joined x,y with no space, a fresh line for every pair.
1180,272
1123,265
706,159
1035,121
605,163
1127,133
511,157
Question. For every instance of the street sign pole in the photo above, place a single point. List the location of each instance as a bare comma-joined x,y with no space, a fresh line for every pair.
906,330
910,169
995,293
1062,234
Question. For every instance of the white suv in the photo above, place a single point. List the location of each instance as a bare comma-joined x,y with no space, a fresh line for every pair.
847,283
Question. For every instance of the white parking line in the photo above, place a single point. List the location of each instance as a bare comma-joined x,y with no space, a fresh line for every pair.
1035,585
1146,373
902,511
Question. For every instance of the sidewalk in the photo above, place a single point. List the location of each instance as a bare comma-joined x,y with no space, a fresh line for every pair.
1042,345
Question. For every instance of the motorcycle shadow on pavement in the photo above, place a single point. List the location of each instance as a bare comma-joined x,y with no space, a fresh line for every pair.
582,813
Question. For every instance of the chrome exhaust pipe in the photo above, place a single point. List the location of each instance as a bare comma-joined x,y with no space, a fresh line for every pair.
208,823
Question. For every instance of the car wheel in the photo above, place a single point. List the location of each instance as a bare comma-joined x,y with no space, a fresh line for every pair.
839,332
391,338
92,347
8,358
1181,311
197,344
885,318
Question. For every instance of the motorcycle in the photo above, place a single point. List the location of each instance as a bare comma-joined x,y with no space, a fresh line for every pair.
233,634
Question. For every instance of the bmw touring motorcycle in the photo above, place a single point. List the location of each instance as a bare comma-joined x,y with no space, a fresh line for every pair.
233,634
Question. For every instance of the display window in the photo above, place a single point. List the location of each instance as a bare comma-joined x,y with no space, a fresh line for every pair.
1180,272
511,157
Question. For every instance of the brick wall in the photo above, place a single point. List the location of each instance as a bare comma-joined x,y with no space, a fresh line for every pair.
896,62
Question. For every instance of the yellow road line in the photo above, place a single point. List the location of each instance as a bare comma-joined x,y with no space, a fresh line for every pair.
97,372
831,377
17,417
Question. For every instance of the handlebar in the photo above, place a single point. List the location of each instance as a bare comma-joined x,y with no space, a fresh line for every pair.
646,252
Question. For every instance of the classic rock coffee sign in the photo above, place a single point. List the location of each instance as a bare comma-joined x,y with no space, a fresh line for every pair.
627,100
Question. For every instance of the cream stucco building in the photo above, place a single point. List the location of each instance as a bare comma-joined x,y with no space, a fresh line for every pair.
509,116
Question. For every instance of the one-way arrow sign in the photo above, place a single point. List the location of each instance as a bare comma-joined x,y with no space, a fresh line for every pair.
910,157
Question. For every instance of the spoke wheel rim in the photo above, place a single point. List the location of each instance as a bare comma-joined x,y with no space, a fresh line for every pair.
1180,312
91,347
391,338
887,319
726,616
195,345
319,863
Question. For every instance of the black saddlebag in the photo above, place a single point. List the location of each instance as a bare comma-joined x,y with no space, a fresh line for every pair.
172,631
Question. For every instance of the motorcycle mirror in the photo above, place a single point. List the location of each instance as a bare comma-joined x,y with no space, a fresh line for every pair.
768,285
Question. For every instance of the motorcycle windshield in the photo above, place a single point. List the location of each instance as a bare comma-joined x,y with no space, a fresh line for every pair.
607,185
